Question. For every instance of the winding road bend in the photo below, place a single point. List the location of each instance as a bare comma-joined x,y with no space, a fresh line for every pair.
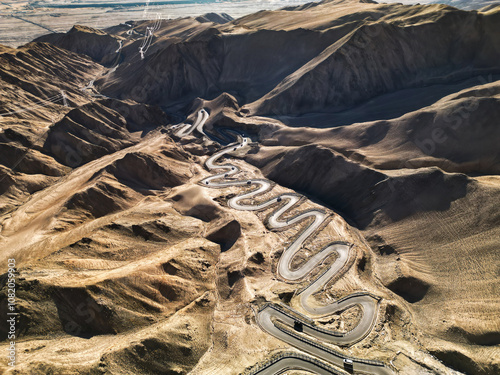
281,321
186,129
148,38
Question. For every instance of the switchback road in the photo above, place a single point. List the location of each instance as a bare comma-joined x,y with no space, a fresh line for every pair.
281,321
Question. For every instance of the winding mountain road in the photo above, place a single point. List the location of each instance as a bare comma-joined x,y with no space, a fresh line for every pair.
186,129
299,362
148,39
281,321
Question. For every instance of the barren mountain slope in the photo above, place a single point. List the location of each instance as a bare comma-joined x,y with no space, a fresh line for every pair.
457,134
129,199
331,65
82,39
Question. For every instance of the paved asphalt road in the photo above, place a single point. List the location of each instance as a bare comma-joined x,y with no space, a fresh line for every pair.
186,129
282,322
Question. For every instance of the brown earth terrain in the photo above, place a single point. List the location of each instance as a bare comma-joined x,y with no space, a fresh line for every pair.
382,116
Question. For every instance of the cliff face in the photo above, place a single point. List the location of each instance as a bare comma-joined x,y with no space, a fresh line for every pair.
381,118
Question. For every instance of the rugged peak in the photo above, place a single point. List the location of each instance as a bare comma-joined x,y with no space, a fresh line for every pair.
85,29
85,40
220,18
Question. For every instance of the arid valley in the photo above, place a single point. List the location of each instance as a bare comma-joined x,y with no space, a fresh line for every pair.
308,189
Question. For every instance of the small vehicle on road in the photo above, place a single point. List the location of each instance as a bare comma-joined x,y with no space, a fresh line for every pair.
298,326
348,365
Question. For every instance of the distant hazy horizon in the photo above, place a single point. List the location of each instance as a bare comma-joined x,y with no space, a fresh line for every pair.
22,22
264,4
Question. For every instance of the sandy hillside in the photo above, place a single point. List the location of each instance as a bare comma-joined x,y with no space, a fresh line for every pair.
175,191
